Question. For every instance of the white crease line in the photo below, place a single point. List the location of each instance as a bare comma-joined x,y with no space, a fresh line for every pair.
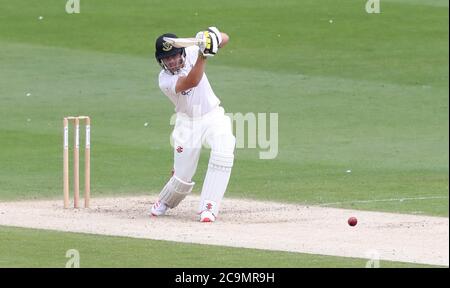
386,200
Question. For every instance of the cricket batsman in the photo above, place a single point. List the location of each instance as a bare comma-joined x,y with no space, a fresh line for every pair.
200,121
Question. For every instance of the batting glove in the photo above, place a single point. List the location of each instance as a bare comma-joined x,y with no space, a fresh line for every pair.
217,33
209,44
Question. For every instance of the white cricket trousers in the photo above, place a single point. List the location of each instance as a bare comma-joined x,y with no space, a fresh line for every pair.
213,130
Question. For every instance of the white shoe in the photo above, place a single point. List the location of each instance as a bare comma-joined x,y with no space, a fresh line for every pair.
207,216
159,209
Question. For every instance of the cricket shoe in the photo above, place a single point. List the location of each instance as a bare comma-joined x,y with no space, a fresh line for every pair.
207,216
159,209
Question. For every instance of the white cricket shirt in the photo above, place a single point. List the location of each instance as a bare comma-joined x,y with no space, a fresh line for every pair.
196,101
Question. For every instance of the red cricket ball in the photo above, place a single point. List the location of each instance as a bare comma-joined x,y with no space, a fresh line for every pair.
352,221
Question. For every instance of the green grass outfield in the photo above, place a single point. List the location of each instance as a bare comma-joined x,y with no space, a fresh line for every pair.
366,93
30,248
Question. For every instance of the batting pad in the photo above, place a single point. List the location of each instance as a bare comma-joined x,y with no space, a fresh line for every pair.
221,160
175,191
216,181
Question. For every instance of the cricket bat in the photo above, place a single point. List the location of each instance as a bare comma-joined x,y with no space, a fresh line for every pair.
183,42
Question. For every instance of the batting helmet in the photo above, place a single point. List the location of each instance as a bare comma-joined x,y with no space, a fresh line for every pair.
164,49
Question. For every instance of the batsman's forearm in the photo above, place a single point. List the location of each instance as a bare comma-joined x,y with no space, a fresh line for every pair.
225,39
196,74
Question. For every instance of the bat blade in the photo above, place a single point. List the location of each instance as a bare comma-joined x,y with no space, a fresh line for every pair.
182,42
